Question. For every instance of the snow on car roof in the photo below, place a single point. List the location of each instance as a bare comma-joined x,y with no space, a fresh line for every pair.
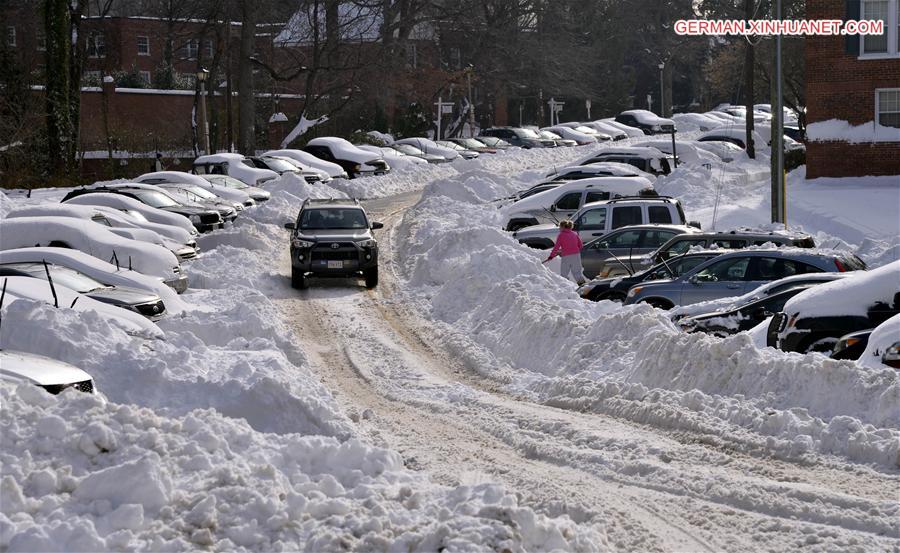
177,176
848,297
648,117
119,201
216,158
341,145
639,151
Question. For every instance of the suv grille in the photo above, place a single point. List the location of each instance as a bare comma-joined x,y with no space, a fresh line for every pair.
345,252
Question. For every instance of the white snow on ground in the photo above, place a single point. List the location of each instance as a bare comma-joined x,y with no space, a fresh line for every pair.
507,314
219,435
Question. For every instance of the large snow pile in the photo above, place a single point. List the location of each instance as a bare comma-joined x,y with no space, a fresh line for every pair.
509,316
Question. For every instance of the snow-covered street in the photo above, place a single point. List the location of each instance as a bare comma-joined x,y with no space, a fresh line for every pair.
471,402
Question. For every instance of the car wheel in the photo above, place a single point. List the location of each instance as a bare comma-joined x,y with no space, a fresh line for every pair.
299,280
659,303
371,278
615,296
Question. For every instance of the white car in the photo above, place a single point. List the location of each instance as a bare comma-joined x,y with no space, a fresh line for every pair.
602,169
306,159
696,121
281,165
686,151
883,349
93,239
50,374
258,194
176,177
632,132
97,269
604,127
135,208
115,221
35,289
358,163
395,158
430,147
233,165
591,130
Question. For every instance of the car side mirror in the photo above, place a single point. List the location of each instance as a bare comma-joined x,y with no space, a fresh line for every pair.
695,280
376,225
553,207
290,226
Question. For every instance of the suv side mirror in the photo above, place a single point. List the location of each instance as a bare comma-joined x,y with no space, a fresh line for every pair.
290,226
376,225
553,207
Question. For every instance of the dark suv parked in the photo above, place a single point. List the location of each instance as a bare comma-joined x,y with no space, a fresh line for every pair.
333,238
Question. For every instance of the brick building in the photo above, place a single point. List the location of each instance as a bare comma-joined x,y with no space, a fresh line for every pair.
853,93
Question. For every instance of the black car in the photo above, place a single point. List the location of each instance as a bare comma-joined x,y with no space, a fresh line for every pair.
524,138
794,332
744,317
202,218
333,238
615,289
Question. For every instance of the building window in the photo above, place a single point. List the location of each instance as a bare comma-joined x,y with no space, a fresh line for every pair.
887,107
885,44
190,49
11,36
41,42
143,45
145,76
209,49
96,45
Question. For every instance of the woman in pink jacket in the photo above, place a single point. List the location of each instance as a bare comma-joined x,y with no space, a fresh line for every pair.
568,246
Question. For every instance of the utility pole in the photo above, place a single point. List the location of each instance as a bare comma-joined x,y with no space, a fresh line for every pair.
471,102
748,83
779,214
662,91
202,76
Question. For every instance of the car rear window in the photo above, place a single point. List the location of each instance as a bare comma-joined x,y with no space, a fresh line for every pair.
659,214
625,216
596,197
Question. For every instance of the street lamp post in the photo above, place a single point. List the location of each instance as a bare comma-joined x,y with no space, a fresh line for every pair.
469,71
202,75
662,91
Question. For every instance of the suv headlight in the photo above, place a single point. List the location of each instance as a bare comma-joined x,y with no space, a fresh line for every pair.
301,244
371,243
194,218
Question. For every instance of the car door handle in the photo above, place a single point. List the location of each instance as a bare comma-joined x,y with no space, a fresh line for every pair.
596,234
733,286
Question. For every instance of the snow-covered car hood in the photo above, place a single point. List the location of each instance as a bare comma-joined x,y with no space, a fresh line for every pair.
547,230
37,369
343,149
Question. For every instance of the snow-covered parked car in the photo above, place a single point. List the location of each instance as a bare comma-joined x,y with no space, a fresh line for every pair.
883,348
140,301
327,169
97,269
733,314
696,122
50,374
591,130
116,221
93,239
632,132
603,127
647,121
238,198
685,151
137,209
202,218
647,159
600,169
561,202
282,165
430,147
195,195
395,158
256,193
580,138
596,219
737,135
233,165
34,289
356,162
726,151
817,318
464,152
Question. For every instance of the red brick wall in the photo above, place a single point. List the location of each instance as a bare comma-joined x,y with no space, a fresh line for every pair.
841,86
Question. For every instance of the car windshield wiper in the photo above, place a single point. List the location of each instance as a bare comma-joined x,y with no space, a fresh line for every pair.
551,214
630,272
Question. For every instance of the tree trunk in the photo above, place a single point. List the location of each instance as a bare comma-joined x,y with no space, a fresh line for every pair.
76,66
59,122
246,100
748,84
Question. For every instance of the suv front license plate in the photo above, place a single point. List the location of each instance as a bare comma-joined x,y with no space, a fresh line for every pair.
335,264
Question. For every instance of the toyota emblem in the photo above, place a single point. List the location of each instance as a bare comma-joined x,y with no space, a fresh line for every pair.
335,246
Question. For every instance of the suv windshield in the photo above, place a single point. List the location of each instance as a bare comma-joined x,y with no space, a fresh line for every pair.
61,275
155,199
333,218
279,165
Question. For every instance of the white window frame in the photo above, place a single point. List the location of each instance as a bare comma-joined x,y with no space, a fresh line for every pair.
11,36
146,38
210,49
94,39
893,33
149,78
878,92
191,44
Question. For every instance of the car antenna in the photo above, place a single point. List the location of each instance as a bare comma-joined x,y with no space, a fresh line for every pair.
52,287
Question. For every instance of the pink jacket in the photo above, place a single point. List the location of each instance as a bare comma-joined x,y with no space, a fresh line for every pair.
567,243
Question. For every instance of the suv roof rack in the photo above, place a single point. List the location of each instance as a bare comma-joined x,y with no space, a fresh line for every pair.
651,198
331,200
